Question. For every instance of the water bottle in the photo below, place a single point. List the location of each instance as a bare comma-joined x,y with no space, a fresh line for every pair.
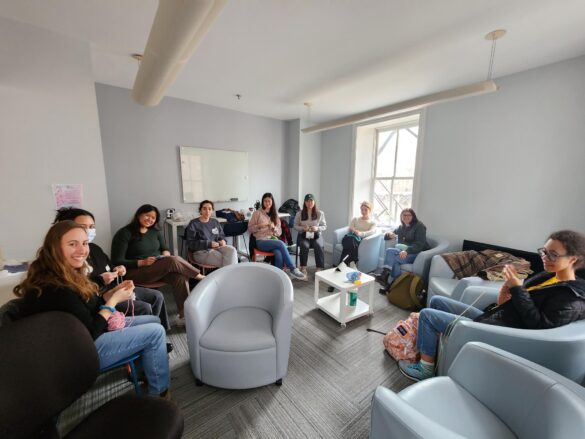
352,298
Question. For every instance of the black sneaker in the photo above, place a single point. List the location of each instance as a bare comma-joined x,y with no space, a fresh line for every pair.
330,289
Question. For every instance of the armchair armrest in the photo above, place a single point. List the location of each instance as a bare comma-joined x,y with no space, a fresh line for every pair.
393,417
480,295
439,268
368,252
559,349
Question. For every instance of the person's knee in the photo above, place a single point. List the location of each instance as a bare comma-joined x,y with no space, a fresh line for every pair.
435,302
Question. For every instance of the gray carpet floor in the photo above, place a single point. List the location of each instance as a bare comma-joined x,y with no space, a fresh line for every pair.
332,374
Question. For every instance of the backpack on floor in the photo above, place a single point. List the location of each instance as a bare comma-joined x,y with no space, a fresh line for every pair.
400,342
405,290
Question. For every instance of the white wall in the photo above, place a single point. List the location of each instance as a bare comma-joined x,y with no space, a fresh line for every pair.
49,133
141,156
292,160
310,166
507,168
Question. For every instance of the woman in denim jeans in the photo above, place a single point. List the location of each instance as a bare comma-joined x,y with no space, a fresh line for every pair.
550,299
57,281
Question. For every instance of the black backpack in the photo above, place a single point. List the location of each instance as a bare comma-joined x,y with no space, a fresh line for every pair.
290,206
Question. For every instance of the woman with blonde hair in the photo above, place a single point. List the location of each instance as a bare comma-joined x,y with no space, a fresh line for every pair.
57,281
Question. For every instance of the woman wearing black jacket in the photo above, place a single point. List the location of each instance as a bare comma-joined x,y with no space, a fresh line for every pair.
553,298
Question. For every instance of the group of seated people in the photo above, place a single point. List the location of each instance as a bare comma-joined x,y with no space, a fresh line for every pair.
74,275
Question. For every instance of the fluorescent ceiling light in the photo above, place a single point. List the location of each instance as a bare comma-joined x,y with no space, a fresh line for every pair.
406,106
177,30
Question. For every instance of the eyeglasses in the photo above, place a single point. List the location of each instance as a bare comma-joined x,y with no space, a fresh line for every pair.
551,256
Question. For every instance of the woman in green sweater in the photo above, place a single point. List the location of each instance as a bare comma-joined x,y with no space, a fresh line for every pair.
140,246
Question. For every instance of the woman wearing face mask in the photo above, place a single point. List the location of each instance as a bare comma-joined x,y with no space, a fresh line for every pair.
265,225
57,281
550,299
206,240
148,301
412,239
140,246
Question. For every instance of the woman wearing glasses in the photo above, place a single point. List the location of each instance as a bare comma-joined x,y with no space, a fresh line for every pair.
552,298
411,237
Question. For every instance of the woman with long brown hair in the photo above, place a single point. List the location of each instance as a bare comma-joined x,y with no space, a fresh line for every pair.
265,226
57,281
310,223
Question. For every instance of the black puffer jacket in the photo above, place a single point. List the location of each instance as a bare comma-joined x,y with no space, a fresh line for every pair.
547,307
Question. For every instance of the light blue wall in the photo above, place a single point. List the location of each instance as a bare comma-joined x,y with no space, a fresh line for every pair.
335,178
504,168
141,154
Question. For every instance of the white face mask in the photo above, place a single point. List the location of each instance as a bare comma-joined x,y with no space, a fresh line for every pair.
90,234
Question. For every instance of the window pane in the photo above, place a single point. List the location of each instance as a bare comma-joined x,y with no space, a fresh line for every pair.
406,157
386,153
382,199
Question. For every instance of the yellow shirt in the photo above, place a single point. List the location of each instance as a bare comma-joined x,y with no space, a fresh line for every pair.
551,281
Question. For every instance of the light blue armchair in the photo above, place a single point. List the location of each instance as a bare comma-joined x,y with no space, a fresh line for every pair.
368,252
488,393
442,282
239,324
560,349
422,264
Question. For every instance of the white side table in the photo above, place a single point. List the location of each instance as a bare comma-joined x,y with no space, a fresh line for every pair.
335,305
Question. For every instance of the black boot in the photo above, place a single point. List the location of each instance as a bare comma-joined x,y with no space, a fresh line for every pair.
382,278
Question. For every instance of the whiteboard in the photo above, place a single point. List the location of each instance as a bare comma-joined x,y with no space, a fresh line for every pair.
213,174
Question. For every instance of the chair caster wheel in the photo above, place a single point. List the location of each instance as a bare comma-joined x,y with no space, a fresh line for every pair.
198,382
278,382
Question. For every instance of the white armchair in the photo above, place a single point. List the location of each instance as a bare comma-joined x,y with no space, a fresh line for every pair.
488,393
368,251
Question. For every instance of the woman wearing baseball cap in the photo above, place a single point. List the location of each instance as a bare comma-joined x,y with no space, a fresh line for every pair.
310,223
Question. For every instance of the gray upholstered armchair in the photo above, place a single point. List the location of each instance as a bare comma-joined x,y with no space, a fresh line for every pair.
422,264
368,251
442,282
560,349
239,323
488,393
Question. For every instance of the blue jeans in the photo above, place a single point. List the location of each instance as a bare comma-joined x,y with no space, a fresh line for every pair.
281,255
434,320
393,261
145,335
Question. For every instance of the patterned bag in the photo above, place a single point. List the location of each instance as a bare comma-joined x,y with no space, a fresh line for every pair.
400,342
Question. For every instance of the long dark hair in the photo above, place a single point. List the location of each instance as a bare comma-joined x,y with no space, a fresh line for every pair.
414,218
70,213
574,243
305,212
135,223
272,212
49,269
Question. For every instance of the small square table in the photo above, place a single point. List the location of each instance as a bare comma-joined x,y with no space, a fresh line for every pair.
335,305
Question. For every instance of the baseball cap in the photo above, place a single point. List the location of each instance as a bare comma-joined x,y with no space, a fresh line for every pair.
309,197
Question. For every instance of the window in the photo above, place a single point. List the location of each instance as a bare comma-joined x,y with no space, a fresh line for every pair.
394,170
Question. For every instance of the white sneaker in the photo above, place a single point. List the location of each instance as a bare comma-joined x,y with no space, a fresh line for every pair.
179,321
352,265
297,274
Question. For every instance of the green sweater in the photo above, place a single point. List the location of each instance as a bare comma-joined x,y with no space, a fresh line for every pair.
127,250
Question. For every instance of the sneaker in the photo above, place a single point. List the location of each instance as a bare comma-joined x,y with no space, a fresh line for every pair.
352,265
297,274
304,271
382,278
179,321
330,289
415,371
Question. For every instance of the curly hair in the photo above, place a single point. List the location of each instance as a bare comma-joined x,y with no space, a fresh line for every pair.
574,243
49,269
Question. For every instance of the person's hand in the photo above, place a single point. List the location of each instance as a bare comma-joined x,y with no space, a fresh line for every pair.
314,228
504,294
146,262
120,270
306,228
122,292
108,277
358,233
214,244
222,242
511,277
389,235
403,254
199,277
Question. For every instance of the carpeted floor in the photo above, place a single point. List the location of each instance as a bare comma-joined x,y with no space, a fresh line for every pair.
332,375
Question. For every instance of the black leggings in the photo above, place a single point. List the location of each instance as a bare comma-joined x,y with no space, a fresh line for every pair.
350,249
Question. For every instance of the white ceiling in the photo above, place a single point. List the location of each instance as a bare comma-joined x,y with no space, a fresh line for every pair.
343,56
